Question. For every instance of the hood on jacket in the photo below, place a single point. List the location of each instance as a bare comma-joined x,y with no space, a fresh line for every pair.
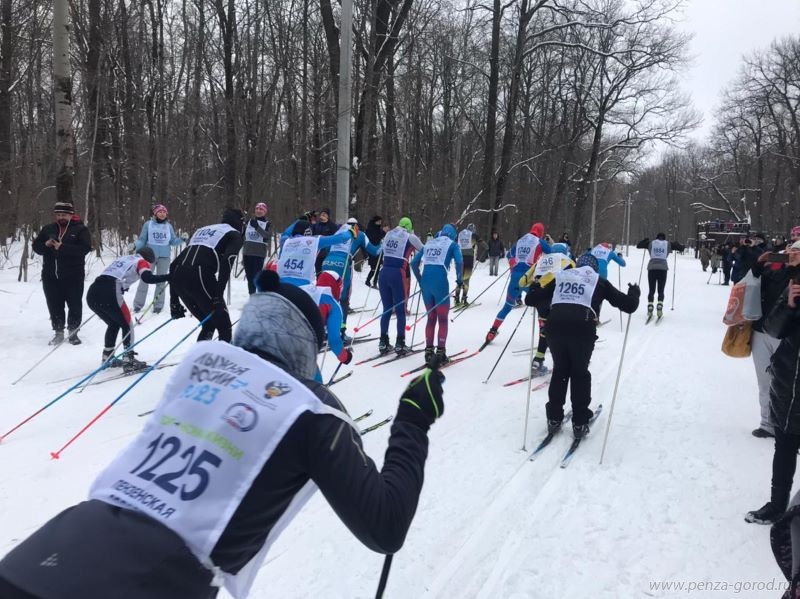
449,231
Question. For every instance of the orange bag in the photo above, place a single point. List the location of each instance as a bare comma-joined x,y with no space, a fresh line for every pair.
733,313
736,342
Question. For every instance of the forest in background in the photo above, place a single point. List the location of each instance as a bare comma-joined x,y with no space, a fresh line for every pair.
494,112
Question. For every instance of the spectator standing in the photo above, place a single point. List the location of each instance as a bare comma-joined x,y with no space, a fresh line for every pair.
159,235
375,234
256,245
496,251
63,245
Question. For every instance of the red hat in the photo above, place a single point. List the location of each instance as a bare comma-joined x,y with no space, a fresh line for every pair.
329,278
261,205
795,231
538,229
159,207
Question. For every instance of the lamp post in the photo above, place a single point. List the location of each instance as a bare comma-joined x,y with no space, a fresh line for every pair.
345,110
628,225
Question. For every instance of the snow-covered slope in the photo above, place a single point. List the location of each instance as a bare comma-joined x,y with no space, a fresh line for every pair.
667,505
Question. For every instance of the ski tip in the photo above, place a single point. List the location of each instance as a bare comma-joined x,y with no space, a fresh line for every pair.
54,455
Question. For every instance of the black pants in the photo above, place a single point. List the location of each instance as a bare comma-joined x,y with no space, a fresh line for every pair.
656,278
196,288
571,355
784,462
252,266
61,292
375,263
726,272
106,300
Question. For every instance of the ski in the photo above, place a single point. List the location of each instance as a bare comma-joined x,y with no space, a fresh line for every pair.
424,366
355,341
649,318
366,414
369,429
373,358
576,442
123,375
461,307
457,360
525,379
395,358
340,379
604,323
548,437
519,352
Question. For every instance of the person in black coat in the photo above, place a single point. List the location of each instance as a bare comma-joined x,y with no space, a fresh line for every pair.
63,245
745,257
375,234
496,251
573,297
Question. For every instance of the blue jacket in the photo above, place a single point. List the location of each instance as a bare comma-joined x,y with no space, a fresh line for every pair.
437,275
161,251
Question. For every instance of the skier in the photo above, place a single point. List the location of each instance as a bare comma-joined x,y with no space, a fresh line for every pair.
524,254
309,217
299,251
256,245
657,268
159,235
496,251
256,443
200,273
398,245
574,296
437,254
604,253
547,264
63,245
326,295
467,240
340,260
106,298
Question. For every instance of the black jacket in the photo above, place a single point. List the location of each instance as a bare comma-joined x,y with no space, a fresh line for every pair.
773,283
783,323
218,261
328,228
743,260
496,247
374,232
68,261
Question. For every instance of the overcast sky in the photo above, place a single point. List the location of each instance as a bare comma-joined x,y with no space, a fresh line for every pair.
724,31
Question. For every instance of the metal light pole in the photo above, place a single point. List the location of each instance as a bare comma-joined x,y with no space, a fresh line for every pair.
628,230
345,110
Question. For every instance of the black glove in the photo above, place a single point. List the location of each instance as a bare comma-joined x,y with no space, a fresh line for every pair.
346,356
423,400
633,290
177,311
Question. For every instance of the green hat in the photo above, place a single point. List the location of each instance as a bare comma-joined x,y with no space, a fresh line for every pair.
405,222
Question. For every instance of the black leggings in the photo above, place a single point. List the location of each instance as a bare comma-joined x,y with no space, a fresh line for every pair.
656,277
196,287
252,266
106,300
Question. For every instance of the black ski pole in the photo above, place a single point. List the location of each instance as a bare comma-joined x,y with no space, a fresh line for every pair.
387,564
524,312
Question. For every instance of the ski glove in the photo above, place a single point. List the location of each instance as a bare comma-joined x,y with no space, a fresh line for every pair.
177,311
423,400
633,290
346,356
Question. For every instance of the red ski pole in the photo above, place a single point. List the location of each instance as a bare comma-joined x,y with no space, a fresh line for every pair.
357,329
436,305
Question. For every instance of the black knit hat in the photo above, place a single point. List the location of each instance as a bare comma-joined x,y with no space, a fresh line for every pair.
148,254
268,281
64,207
302,227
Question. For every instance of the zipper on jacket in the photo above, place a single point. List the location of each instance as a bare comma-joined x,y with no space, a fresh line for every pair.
794,392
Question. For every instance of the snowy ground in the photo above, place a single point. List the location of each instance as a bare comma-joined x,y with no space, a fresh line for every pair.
667,505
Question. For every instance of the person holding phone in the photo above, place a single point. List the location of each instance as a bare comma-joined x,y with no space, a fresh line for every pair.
745,256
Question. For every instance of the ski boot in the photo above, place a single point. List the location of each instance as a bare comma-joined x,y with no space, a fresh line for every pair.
538,368
659,311
767,514
108,353
130,364
493,332
346,339
649,312
58,338
441,357
580,430
383,345
73,337
457,298
400,347
553,426
430,356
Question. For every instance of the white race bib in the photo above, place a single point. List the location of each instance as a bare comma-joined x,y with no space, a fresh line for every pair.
601,252
394,244
465,240
157,233
211,235
659,249
250,233
435,251
575,286
345,246
550,263
124,269
526,248
297,258
220,418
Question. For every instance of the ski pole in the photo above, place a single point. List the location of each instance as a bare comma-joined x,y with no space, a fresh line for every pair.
370,321
508,279
387,564
674,274
366,300
708,281
616,386
619,286
416,311
24,374
436,305
530,383
524,312
75,386
335,372
57,454
641,268
152,303
479,295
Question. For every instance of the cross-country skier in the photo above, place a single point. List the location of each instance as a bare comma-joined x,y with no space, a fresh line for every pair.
256,245
200,273
106,298
398,245
657,269
524,254
198,498
159,235
309,217
467,241
574,296
436,255
326,294
299,251
604,254
551,263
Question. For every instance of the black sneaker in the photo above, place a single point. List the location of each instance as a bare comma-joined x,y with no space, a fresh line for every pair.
400,347
767,514
763,433
383,345
430,356
580,430
553,426
58,338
